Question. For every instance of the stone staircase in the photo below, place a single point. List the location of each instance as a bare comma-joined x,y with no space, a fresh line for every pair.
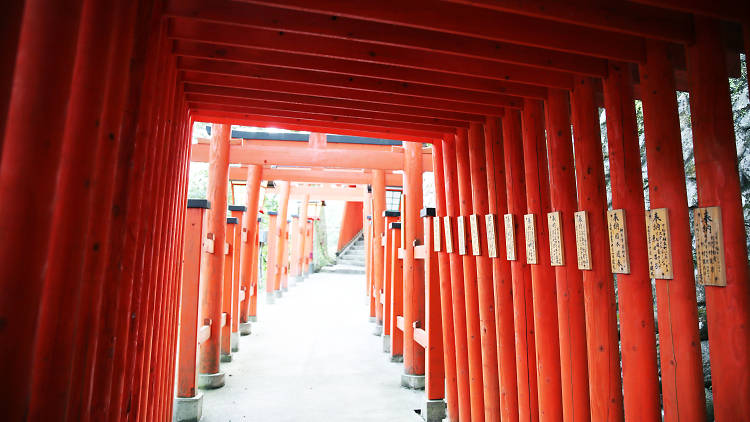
351,260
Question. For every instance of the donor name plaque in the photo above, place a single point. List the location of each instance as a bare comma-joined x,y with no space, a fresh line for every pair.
618,242
659,244
448,234
461,234
709,246
554,225
510,237
476,248
436,234
583,244
529,225
489,222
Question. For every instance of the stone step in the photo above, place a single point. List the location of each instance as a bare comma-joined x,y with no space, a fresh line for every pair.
353,262
343,269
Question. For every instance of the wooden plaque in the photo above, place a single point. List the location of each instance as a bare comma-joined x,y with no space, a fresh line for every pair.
583,244
619,256
461,234
510,237
659,244
709,246
436,234
529,226
476,247
489,222
448,234
554,226
208,243
244,235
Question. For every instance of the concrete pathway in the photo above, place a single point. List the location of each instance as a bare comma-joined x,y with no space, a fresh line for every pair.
312,357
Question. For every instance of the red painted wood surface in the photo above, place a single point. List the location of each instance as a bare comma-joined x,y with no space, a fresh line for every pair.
543,280
446,297
457,285
677,310
598,286
227,297
387,276
414,281
249,245
570,303
397,295
635,300
236,259
280,260
485,286
728,307
501,273
378,230
351,223
433,329
212,266
523,317
272,241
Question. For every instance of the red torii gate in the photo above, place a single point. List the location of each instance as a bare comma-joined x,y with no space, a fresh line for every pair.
93,215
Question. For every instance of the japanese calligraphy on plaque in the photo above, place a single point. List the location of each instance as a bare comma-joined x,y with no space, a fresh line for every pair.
709,246
448,234
510,237
556,255
583,244
476,247
659,244
618,242
529,225
489,222
436,233
461,234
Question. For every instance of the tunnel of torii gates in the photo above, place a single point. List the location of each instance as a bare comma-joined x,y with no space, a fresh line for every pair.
500,300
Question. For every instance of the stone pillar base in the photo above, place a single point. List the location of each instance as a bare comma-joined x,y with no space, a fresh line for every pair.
284,289
245,328
311,268
300,279
234,342
378,331
387,343
188,409
397,358
279,293
412,382
210,381
253,318
225,358
433,410
270,298
371,319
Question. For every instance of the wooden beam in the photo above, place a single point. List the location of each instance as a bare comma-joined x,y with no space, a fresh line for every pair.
353,68
486,24
622,16
291,21
326,193
730,10
327,111
366,52
293,95
316,176
301,125
308,157
322,117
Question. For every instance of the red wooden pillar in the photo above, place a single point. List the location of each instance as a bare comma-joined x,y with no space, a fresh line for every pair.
294,245
598,286
503,291
228,293
238,212
280,259
309,263
570,304
10,30
397,295
189,304
30,163
284,269
457,285
728,307
434,407
387,241
378,229
485,287
679,342
446,297
542,273
212,266
414,305
302,239
249,245
367,233
252,312
636,303
515,185
272,241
